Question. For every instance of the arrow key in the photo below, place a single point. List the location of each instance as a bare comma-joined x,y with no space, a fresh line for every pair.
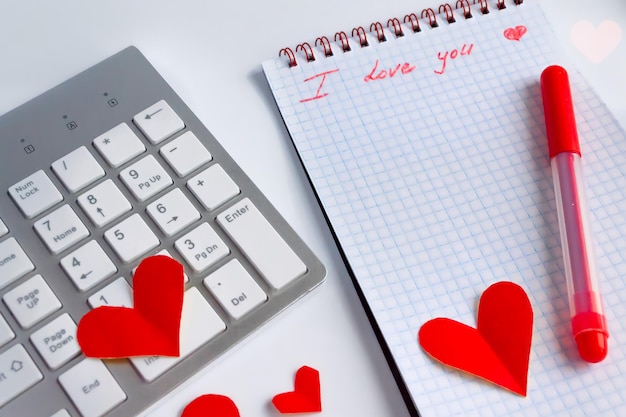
104,203
88,265
173,212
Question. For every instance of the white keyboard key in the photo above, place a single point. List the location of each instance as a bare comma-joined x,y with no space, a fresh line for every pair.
199,324
119,145
88,266
92,388
118,293
145,178
163,252
31,301
158,122
18,372
61,229
213,187
35,194
61,413
185,154
235,289
77,169
6,333
104,203
131,238
56,341
14,263
3,228
261,243
173,212
202,247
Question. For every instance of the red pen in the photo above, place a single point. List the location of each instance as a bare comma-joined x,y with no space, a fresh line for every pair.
588,320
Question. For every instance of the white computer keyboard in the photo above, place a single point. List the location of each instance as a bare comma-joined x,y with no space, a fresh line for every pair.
102,171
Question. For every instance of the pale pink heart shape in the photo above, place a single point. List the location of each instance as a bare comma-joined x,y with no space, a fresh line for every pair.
596,43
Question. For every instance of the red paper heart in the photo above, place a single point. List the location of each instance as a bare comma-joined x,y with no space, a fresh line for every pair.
305,398
151,327
516,33
211,405
498,350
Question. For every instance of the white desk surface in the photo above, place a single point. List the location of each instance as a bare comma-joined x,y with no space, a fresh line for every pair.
210,52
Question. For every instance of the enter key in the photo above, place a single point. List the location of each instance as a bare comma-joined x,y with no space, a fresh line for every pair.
261,243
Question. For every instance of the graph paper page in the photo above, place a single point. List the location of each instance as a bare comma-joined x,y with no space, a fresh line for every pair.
436,181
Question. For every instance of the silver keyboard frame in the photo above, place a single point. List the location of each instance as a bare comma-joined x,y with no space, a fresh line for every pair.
71,115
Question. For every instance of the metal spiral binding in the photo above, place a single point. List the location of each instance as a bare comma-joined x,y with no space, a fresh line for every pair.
445,11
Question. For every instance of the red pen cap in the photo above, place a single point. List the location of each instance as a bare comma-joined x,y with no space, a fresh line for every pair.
559,111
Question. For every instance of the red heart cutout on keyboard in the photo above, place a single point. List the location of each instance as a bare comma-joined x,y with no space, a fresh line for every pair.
151,327
306,396
211,405
498,349
516,33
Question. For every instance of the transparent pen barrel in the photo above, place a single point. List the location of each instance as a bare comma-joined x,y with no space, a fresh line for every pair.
579,261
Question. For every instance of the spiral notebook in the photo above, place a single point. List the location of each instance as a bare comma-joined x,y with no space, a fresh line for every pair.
424,140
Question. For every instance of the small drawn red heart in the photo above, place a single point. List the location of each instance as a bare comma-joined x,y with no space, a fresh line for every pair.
151,327
516,33
211,405
498,349
306,396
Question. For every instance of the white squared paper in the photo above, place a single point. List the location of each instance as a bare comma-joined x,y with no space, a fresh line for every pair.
439,185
